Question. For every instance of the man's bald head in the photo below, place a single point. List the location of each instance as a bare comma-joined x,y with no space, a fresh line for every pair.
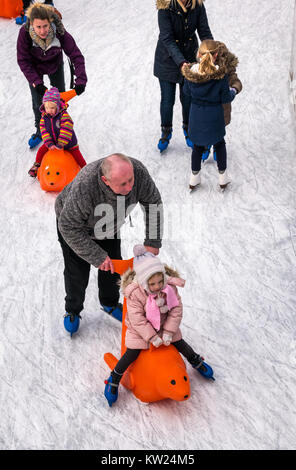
118,173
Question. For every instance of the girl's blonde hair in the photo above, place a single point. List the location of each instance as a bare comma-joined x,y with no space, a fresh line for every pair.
207,49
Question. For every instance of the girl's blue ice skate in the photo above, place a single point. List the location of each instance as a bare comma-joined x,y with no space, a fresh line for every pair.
111,397
202,367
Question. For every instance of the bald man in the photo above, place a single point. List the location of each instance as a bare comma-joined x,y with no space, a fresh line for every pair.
90,212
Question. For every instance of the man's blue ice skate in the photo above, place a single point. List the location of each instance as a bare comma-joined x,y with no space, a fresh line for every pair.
188,141
166,135
115,311
71,323
202,367
111,397
34,140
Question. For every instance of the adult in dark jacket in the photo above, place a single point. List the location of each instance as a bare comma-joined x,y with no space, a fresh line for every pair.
178,20
40,46
90,212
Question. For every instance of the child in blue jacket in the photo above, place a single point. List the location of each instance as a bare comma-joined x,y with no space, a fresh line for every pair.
208,86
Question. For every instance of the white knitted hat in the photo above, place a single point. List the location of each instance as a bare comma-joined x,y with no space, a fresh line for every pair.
145,265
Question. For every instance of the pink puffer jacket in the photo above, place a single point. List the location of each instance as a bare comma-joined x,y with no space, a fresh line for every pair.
139,330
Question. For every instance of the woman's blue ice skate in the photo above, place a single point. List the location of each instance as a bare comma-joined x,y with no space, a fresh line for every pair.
166,135
111,397
188,141
206,153
71,323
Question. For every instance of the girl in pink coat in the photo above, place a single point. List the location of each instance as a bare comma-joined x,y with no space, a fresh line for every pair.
154,314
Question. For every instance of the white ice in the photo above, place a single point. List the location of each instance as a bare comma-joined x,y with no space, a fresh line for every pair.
236,250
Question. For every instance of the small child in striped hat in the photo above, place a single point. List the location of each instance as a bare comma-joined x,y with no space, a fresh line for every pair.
56,127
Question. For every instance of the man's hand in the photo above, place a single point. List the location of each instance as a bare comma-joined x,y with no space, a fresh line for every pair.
107,265
153,250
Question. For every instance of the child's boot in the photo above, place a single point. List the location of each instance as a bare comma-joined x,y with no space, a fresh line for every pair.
188,141
166,134
195,179
33,171
223,179
72,322
202,367
111,388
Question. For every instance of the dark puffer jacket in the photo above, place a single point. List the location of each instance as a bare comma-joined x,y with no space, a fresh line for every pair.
177,42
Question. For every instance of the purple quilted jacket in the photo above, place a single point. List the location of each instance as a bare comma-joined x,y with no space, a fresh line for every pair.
35,62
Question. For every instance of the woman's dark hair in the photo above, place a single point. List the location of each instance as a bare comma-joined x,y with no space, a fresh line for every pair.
40,12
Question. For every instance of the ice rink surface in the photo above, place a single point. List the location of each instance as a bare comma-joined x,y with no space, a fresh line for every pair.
236,250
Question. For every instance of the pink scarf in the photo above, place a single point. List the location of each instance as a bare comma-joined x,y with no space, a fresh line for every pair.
152,309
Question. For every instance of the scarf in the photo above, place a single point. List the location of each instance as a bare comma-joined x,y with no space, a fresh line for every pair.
153,310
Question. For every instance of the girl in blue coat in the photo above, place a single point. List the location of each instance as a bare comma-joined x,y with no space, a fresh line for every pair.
208,86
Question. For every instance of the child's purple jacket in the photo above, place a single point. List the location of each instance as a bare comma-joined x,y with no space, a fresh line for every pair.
58,130
35,62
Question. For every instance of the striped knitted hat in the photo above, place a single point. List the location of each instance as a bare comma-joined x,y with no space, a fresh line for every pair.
52,95
145,265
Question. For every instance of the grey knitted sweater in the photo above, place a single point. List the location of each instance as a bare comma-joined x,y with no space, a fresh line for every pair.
87,209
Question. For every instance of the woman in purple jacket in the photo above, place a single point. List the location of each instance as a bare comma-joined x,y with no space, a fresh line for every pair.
40,47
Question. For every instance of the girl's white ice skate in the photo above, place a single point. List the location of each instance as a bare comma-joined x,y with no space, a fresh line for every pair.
224,179
194,180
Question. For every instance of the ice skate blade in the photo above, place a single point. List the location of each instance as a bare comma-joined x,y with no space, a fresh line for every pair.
193,188
222,188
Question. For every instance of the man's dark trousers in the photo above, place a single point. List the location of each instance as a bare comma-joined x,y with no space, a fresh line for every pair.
76,276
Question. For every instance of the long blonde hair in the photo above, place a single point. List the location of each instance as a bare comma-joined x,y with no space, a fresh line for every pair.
207,49
194,2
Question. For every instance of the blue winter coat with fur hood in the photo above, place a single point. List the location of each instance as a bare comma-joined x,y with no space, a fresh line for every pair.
208,94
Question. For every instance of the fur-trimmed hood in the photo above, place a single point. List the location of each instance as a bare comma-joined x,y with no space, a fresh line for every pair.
226,61
165,4
54,15
130,276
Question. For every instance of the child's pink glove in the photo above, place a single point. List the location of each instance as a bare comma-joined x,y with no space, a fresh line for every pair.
156,341
167,338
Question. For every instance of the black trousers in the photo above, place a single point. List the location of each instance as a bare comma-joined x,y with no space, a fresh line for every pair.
26,3
131,355
56,79
220,148
168,93
76,276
